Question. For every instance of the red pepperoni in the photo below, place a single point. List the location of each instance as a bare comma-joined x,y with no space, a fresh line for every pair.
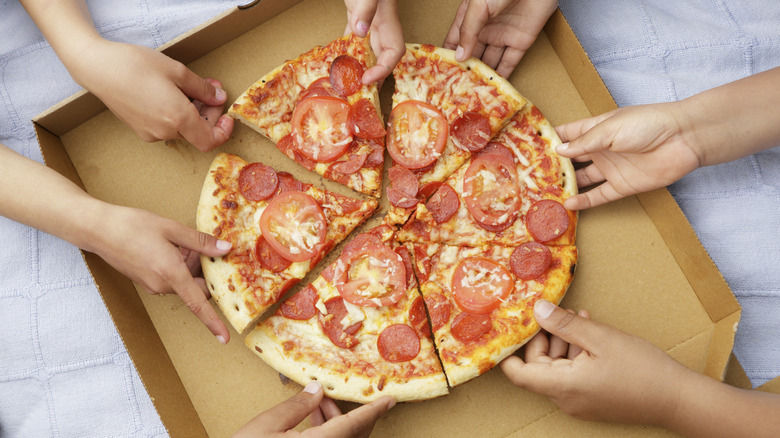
407,259
398,343
530,260
331,324
471,131
287,146
418,319
320,87
494,148
346,75
364,120
443,204
257,182
467,327
547,220
352,165
376,157
269,257
494,228
439,309
404,180
423,263
287,183
428,190
401,199
301,306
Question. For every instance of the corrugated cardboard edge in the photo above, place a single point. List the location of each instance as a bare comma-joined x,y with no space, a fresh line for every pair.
705,279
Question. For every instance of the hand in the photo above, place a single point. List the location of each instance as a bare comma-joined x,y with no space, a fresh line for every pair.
380,17
157,97
596,372
161,255
326,418
497,31
633,150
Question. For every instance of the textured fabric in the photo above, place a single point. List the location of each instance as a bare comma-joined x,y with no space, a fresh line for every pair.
661,51
63,368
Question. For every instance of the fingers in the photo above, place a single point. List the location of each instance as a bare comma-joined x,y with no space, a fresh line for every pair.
582,138
361,14
359,422
452,39
285,415
536,377
197,241
474,19
575,350
207,128
568,326
324,412
509,61
594,197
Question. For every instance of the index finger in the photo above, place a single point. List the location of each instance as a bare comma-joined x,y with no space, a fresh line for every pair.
453,36
474,20
195,300
359,422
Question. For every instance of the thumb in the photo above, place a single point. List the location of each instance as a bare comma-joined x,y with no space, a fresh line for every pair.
361,14
568,326
197,241
285,415
209,91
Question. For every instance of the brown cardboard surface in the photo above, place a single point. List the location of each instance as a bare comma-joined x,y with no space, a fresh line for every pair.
641,267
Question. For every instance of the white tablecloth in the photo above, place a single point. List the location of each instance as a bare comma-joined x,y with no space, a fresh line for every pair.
63,369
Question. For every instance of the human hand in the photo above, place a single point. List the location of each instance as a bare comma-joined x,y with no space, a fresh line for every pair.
595,372
380,17
633,150
160,255
326,418
157,97
497,31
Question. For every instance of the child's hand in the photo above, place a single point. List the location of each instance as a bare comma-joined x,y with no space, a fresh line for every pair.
596,372
161,255
497,31
633,149
380,17
157,97
326,418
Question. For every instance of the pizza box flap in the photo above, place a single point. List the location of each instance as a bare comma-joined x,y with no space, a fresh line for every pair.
641,267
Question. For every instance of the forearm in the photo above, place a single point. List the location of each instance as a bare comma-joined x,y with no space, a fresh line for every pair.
734,120
43,199
708,408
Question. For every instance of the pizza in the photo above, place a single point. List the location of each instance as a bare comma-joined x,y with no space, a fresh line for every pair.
359,328
317,111
279,227
440,291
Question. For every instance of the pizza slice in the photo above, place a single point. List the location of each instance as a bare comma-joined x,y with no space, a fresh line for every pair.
279,227
317,110
359,328
443,112
510,192
480,300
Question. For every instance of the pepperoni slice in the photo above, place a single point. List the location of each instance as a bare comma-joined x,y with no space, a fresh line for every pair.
257,182
494,148
376,157
331,324
398,343
320,87
471,131
287,146
301,306
423,262
269,257
443,204
480,285
407,259
288,183
467,327
547,220
439,309
417,317
404,180
365,121
352,165
346,75
401,199
530,260
428,190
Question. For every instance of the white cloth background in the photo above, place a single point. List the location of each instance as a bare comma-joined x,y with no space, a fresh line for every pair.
63,369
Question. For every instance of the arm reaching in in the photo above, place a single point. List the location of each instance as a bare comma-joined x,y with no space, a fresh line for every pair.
596,372
497,31
326,418
641,148
157,97
380,17
157,253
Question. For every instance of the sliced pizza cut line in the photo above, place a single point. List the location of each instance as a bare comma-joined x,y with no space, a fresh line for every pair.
280,229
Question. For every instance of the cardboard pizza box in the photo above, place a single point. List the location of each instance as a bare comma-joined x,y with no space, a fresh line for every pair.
641,267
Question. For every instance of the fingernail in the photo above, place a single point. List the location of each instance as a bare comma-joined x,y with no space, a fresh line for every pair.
312,387
459,53
223,245
220,94
563,146
362,28
221,339
543,309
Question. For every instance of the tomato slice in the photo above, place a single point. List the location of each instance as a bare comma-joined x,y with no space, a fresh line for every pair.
480,284
294,225
319,128
491,191
416,134
373,276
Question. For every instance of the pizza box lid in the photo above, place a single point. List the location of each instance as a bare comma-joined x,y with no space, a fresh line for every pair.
641,267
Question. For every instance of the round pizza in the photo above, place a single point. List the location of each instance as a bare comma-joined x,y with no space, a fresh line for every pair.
475,233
